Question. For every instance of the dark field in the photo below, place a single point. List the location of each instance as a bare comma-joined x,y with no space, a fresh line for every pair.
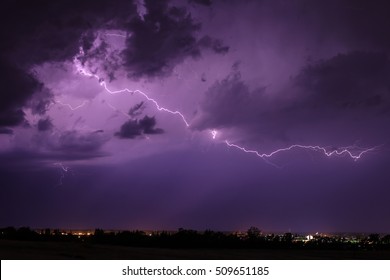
10,249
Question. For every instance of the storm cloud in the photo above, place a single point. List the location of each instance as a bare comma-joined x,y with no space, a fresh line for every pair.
138,127
163,38
6,130
44,124
53,32
19,87
159,107
345,88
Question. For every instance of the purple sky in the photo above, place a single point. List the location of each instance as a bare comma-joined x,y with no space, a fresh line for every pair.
264,75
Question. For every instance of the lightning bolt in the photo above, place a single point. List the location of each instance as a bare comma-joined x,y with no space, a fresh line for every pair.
63,169
70,106
342,151
214,133
115,35
87,73
116,110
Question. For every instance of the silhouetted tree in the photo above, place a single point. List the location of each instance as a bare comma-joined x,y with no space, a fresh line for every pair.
374,238
8,233
386,239
287,237
25,233
253,233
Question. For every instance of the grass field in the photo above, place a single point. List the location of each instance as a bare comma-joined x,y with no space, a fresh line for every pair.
64,250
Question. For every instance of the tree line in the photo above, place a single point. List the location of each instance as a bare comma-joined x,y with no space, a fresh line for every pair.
187,238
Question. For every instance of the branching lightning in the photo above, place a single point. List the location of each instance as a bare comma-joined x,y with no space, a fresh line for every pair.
348,151
115,35
70,106
87,73
339,152
214,133
116,110
63,169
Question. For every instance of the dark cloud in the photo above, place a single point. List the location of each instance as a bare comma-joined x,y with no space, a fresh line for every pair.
137,109
44,124
129,129
215,44
352,80
52,31
78,142
356,24
40,102
345,89
134,128
37,160
164,37
37,32
17,87
100,54
65,146
11,117
148,125
360,23
201,2
6,130
228,103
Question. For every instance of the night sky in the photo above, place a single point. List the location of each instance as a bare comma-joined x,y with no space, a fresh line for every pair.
163,114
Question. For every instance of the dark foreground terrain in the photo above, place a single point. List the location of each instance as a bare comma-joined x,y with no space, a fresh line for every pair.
11,249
